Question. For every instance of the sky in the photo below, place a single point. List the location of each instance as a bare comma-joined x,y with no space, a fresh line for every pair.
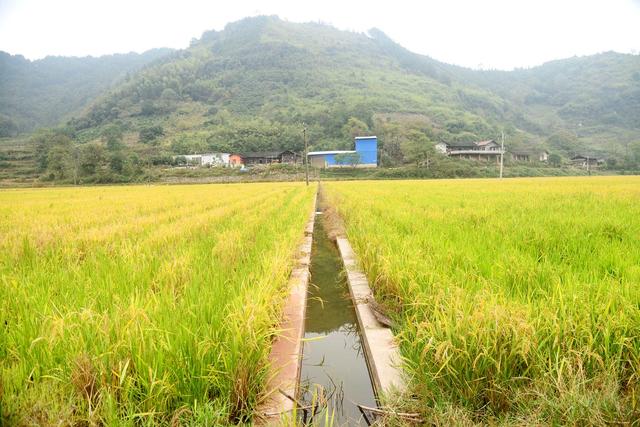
487,34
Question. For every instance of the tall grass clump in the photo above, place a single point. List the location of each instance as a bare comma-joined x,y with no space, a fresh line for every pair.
517,301
148,305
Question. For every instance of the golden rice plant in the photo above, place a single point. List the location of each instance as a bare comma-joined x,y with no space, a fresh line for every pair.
517,300
142,305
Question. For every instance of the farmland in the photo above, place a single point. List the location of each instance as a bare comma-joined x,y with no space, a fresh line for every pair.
515,301
142,305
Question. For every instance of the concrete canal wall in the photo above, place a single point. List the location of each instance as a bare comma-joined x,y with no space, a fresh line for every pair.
286,352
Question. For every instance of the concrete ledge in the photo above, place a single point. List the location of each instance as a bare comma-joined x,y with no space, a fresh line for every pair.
381,350
286,351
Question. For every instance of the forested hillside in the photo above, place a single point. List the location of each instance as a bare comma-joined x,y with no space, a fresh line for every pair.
597,97
44,92
252,86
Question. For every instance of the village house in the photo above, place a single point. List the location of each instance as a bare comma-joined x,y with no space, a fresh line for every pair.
488,150
235,160
529,155
206,159
268,157
586,162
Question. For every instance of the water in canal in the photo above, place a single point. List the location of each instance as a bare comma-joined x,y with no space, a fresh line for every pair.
333,356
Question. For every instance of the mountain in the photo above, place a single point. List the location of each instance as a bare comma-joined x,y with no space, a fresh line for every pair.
596,97
45,92
251,86
255,84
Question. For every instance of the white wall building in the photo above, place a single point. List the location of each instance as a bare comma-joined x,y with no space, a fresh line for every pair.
207,159
215,159
441,147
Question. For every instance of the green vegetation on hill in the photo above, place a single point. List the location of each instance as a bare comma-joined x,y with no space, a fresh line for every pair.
596,98
262,78
252,86
45,92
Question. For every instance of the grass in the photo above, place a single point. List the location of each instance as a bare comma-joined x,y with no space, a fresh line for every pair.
142,305
517,301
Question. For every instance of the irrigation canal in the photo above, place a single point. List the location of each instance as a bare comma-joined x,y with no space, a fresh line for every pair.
333,357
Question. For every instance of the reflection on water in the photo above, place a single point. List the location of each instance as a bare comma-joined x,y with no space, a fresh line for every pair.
333,355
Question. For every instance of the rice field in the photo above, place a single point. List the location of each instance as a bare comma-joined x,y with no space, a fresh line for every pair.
142,305
515,301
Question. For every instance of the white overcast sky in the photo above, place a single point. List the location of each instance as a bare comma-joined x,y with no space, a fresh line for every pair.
475,33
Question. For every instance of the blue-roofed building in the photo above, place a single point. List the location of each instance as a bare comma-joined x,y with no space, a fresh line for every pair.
364,155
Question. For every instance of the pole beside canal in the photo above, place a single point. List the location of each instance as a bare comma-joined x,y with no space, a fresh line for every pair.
306,154
501,154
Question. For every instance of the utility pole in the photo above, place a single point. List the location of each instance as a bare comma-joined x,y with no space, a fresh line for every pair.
306,155
588,166
501,154
76,160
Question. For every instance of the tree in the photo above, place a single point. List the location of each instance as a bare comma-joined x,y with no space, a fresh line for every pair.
391,134
8,128
46,139
41,142
354,127
555,159
150,134
351,159
634,151
169,95
60,160
92,158
418,149
112,135
465,137
133,165
117,162
564,141
188,144
455,126
148,108
168,100
392,150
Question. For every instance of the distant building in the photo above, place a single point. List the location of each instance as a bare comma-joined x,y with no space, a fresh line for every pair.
268,157
583,161
543,156
529,155
441,147
206,159
215,159
364,155
520,156
235,160
488,150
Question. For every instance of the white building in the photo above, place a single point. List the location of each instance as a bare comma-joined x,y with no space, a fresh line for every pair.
480,150
442,147
207,159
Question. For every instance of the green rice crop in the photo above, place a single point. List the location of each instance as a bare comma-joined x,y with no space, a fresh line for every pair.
517,301
142,305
